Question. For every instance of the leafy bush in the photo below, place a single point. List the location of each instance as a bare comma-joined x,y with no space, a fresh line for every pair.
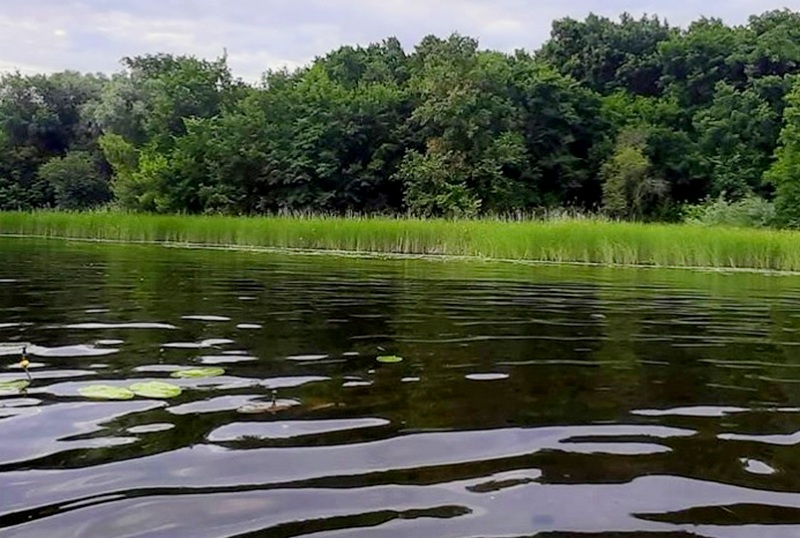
76,180
749,212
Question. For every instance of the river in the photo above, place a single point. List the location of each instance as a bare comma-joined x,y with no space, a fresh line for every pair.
529,401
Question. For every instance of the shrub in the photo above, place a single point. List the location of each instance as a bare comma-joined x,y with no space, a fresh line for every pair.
749,212
76,181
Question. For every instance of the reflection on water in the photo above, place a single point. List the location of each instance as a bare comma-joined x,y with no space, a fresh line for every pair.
552,401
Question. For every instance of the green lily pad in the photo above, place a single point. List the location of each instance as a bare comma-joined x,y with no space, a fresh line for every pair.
105,392
16,385
156,390
390,359
198,373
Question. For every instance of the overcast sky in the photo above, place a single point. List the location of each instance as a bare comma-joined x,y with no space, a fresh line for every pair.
92,35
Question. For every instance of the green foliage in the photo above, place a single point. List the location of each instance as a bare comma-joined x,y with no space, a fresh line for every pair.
41,117
750,211
630,188
696,60
76,181
106,392
737,133
785,171
436,185
198,373
157,390
563,240
610,56
15,385
447,129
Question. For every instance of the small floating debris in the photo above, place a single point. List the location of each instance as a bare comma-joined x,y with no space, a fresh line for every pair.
198,373
156,390
106,392
249,326
487,377
410,380
389,359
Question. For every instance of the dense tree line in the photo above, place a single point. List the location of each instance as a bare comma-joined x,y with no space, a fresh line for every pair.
632,117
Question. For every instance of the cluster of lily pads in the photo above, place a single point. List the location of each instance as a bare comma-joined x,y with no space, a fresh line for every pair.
152,389
158,390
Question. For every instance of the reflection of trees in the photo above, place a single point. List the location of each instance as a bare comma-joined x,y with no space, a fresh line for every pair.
580,345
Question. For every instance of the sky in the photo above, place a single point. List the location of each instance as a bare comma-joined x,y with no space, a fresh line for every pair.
93,35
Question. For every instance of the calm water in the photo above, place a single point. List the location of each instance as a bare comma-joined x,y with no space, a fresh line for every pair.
532,401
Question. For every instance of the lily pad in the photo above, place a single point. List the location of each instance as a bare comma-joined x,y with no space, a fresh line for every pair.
198,373
17,384
105,392
389,359
156,390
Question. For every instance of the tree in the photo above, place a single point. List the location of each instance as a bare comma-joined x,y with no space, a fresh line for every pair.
695,60
76,180
609,56
41,117
775,44
630,189
736,134
784,174
630,114
436,184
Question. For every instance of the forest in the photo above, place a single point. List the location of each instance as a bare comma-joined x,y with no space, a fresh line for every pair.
632,118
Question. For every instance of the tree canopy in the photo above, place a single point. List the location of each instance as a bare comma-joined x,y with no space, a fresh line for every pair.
633,117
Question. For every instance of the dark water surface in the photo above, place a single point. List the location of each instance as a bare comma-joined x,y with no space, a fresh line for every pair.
532,401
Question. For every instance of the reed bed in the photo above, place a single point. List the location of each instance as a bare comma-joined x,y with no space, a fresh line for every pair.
567,240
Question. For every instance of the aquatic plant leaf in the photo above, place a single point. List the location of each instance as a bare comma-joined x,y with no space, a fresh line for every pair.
156,390
198,373
105,392
390,359
17,384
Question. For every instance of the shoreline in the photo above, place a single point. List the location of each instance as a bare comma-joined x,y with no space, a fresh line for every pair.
577,242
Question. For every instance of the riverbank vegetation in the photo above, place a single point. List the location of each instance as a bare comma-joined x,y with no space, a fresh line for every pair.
567,240
633,118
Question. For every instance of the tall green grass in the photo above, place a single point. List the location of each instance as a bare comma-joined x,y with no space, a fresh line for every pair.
566,240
